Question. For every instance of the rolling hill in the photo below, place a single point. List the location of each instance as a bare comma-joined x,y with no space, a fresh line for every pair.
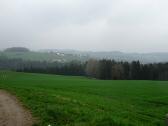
52,55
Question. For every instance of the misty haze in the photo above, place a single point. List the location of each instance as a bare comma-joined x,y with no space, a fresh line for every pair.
83,63
88,25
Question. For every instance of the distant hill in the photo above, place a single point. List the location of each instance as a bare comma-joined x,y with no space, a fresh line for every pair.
52,55
17,49
119,56
26,54
142,57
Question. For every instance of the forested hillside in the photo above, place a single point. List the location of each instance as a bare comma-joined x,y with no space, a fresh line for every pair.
25,54
52,55
100,69
118,56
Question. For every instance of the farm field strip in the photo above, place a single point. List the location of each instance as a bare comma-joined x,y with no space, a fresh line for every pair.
78,101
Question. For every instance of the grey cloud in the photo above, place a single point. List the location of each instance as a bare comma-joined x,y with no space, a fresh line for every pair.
124,25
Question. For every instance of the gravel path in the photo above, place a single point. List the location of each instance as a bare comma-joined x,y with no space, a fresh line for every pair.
12,113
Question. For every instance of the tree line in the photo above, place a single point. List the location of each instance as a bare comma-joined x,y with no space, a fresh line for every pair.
99,69
112,70
71,68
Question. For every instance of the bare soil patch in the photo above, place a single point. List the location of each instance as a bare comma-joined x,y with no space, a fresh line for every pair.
12,113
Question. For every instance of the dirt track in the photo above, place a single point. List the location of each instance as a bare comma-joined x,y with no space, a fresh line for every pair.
11,111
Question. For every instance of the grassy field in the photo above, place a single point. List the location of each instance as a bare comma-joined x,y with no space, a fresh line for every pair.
78,101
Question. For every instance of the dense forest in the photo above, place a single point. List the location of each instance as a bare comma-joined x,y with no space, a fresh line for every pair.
70,68
110,69
100,69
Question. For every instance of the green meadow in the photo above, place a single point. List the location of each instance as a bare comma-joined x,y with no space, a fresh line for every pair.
78,101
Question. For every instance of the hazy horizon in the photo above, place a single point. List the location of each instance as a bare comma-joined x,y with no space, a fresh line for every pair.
68,49
85,25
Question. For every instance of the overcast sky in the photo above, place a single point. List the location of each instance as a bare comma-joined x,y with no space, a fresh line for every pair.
97,25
